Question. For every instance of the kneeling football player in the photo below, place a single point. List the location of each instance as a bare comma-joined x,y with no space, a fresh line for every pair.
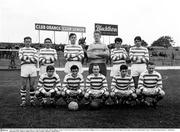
150,85
49,86
122,87
73,86
96,85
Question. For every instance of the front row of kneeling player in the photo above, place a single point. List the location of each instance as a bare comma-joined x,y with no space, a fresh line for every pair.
122,87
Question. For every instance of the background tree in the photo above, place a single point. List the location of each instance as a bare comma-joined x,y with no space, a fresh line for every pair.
144,43
164,41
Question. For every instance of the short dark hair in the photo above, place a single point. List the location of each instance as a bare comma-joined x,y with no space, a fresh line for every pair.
95,65
123,67
118,40
47,39
50,68
27,38
72,34
150,63
73,67
137,38
97,31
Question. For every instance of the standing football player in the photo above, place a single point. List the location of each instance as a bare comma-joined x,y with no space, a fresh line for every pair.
47,56
96,85
150,85
122,87
98,53
139,56
73,54
73,85
28,57
118,56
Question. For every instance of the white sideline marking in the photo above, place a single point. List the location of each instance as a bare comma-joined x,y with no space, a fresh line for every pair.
109,68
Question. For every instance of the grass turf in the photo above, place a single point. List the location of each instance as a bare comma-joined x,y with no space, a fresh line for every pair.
12,116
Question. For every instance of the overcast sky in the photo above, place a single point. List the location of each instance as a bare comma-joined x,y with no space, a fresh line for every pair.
150,19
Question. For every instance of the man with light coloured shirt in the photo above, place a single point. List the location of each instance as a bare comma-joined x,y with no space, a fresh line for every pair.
98,53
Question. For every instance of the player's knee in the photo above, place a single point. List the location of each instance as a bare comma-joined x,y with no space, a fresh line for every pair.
133,95
86,95
112,94
63,93
138,91
106,93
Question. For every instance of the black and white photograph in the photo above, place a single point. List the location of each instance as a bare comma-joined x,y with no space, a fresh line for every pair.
89,65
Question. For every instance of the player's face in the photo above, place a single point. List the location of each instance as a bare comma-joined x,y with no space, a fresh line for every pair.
48,43
50,73
97,37
123,72
137,43
96,70
150,68
73,39
27,42
118,44
74,72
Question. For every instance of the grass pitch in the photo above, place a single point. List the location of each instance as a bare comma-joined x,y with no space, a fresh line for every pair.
12,116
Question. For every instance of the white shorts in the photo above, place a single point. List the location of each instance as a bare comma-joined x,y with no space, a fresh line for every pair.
115,69
137,69
28,70
153,91
42,69
70,63
123,93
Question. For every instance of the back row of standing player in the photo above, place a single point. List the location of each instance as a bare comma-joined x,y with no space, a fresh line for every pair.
97,54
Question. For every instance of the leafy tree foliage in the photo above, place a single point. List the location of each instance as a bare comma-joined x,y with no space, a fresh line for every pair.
164,41
144,43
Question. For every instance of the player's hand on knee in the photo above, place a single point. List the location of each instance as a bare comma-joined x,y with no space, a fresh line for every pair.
115,90
52,91
86,95
102,91
106,93
58,93
67,91
134,95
